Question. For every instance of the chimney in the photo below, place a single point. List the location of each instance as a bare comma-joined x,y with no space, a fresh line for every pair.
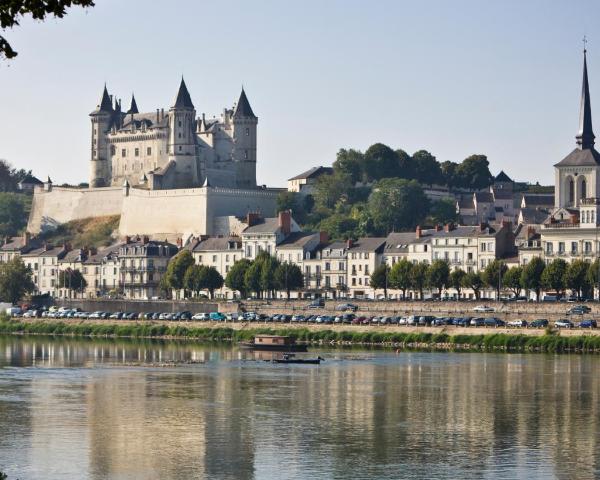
145,239
482,226
448,227
162,113
438,228
349,243
285,221
530,232
252,218
418,232
323,237
179,242
127,239
26,238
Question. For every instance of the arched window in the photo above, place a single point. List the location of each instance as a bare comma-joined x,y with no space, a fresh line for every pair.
583,190
571,190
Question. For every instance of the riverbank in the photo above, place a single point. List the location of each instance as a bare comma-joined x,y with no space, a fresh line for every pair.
548,342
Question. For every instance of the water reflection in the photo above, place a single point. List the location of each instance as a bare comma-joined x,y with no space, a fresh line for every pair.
358,415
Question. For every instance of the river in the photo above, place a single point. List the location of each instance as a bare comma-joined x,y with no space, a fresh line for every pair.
94,409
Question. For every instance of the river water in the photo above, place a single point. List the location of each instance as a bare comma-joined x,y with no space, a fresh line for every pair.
79,409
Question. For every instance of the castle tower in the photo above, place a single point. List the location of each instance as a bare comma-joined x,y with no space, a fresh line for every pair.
577,176
101,122
182,142
244,142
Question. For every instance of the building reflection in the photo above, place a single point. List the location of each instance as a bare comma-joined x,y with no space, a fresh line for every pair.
222,414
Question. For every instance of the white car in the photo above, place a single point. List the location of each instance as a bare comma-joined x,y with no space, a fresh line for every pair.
484,309
516,323
563,323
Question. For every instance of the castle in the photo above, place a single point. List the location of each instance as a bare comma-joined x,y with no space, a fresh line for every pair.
166,174
176,149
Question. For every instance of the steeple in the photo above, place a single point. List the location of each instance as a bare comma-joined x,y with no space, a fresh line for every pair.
243,108
105,102
585,137
133,108
183,99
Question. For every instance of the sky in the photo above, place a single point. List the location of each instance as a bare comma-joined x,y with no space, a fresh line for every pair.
452,77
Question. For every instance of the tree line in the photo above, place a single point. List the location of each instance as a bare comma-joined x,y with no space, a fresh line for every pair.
557,276
355,200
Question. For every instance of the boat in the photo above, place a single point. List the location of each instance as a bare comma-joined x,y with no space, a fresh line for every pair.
291,358
274,343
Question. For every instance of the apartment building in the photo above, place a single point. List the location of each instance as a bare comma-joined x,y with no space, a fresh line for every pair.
364,255
264,234
44,265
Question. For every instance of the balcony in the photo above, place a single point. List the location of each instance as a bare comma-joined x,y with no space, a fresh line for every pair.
142,269
561,225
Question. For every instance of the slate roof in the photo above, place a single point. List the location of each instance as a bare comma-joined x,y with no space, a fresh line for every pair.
183,99
243,108
500,194
503,177
30,179
484,197
588,157
218,244
133,108
368,244
533,216
542,200
460,231
298,240
265,225
18,244
466,202
312,173
397,242
46,251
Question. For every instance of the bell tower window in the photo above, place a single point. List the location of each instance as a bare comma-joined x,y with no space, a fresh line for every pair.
571,191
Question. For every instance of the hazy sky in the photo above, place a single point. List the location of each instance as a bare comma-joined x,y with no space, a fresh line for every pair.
453,77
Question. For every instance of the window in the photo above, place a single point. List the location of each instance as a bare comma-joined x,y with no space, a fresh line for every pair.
179,124
571,190
588,247
549,248
574,248
247,132
149,151
245,154
214,259
583,189
227,257
123,152
561,247
180,148
113,150
483,247
136,152
366,255
179,135
327,266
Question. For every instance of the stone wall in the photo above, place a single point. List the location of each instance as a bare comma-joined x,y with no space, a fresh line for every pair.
60,205
143,306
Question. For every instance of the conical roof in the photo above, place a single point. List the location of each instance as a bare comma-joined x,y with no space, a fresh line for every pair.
243,108
585,137
105,103
133,108
183,99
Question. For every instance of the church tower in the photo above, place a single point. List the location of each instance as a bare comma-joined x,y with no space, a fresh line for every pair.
577,176
244,142
100,156
182,143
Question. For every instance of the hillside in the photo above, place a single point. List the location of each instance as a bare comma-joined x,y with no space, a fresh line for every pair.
87,232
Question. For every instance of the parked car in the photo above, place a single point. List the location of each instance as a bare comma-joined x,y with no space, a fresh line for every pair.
477,322
317,303
343,307
484,309
584,324
563,323
517,323
494,322
579,310
539,323
216,316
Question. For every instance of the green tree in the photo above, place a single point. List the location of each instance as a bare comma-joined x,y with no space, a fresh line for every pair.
268,265
438,275
12,11
512,280
13,213
531,277
72,280
492,275
351,163
380,278
287,201
252,278
456,280
592,275
193,278
554,276
427,168
418,277
331,189
474,281
176,269
339,226
442,212
380,162
576,276
400,276
449,174
405,165
15,280
288,277
212,280
235,278
397,204
474,173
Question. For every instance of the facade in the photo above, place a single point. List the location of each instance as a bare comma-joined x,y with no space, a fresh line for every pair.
143,263
218,252
364,256
44,264
305,182
264,234
174,149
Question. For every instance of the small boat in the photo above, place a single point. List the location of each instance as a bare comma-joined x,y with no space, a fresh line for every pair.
274,343
291,358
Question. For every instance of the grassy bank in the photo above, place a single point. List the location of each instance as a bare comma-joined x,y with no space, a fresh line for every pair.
488,342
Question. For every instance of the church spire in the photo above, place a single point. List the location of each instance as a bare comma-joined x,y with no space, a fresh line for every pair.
133,108
585,137
183,99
